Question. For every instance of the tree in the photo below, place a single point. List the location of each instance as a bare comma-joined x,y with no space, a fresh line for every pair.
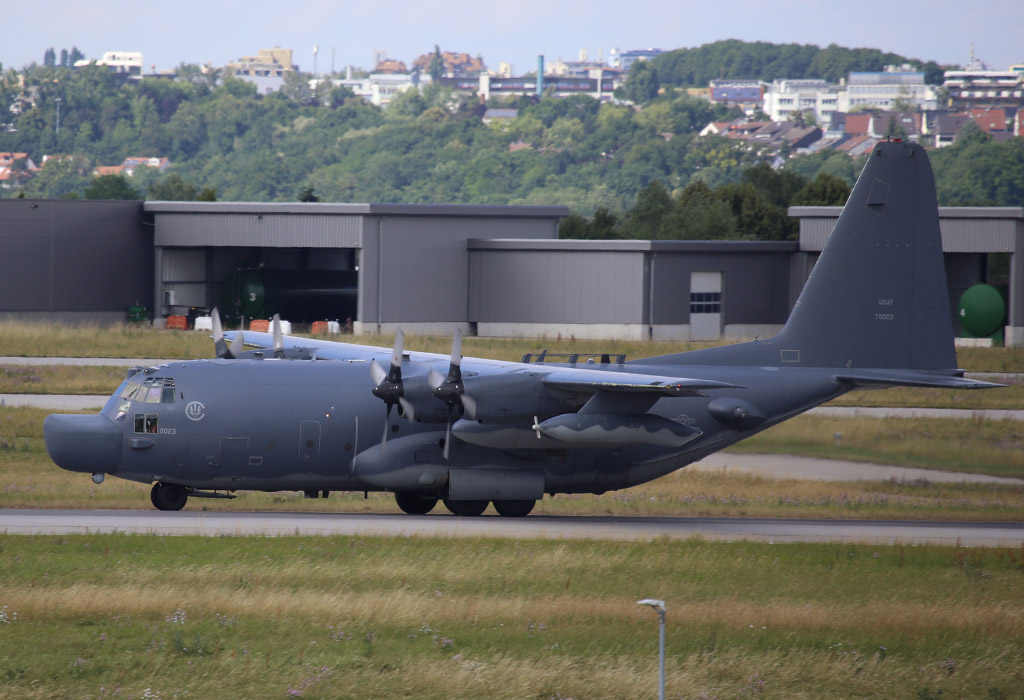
436,69
642,85
644,219
697,214
59,177
75,56
306,194
826,191
50,58
778,186
64,58
296,88
172,188
110,187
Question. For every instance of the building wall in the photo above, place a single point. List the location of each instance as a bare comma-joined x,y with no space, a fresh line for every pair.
74,260
414,270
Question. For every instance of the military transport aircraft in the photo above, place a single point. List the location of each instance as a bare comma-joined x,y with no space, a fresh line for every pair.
276,413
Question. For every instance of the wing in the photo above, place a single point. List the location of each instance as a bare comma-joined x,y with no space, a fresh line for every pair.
594,380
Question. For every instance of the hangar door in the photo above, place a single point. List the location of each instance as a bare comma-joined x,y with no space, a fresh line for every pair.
705,305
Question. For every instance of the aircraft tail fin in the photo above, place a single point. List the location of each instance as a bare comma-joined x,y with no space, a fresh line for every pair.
877,297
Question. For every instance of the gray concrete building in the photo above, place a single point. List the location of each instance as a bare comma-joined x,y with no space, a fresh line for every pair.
489,270
74,261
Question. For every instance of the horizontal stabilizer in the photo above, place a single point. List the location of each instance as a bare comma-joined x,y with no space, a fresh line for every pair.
881,378
586,380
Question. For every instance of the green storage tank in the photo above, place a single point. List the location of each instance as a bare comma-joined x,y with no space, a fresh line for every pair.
982,312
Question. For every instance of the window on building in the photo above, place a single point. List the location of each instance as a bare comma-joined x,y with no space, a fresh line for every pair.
705,302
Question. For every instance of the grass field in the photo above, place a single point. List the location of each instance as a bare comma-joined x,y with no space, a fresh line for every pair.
29,480
22,339
121,616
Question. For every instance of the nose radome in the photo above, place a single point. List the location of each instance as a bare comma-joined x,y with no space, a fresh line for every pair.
82,443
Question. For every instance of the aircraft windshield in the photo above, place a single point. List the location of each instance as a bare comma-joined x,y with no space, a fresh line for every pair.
152,390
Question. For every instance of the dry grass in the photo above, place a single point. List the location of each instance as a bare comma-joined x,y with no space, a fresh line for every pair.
25,339
439,618
974,445
1009,397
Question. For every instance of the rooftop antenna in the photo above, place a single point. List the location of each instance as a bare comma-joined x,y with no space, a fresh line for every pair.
316,50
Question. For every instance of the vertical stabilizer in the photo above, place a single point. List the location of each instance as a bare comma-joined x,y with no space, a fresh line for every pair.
877,296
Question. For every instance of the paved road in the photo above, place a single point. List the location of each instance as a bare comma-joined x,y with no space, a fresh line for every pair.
534,526
83,361
790,467
880,412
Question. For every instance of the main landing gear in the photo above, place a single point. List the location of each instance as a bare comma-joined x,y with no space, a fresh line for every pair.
168,496
416,504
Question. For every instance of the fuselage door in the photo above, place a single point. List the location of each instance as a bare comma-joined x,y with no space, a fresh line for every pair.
309,441
234,456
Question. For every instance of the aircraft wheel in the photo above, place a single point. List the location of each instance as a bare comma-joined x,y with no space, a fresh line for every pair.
168,496
414,503
514,509
469,509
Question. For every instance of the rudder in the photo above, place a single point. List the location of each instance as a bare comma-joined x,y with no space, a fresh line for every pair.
877,296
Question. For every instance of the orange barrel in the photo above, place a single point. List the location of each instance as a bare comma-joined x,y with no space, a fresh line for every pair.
319,328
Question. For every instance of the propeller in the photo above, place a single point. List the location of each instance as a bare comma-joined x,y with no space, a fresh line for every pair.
237,346
220,347
278,337
536,427
451,389
389,388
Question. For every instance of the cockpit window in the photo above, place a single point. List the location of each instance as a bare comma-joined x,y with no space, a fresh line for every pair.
151,390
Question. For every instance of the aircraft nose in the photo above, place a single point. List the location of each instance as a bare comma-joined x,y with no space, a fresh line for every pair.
82,443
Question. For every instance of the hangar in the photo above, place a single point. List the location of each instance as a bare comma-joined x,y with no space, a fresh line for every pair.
489,270
406,262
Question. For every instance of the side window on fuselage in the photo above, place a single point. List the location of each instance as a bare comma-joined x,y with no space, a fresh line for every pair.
147,423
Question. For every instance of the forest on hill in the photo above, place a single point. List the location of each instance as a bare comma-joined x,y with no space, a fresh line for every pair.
225,140
761,60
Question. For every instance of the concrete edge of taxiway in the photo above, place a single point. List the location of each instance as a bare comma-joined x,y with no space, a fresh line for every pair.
629,528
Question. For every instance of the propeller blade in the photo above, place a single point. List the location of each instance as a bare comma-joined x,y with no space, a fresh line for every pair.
377,372
220,347
278,337
396,353
536,427
469,405
407,409
448,432
457,348
387,424
436,379
237,346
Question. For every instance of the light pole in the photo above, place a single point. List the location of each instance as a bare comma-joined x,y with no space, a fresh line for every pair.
659,607
58,101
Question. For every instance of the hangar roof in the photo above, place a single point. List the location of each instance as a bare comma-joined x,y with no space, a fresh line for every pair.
320,208
635,245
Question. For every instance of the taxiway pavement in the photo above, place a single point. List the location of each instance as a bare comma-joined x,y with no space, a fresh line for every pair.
533,526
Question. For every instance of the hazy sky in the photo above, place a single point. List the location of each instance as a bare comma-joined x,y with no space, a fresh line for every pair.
215,31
